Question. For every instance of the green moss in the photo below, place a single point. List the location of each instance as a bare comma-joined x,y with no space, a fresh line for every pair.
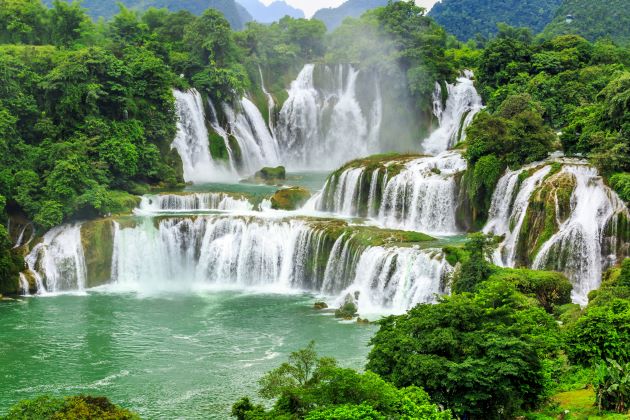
121,202
278,173
290,198
218,150
455,254
549,206
237,154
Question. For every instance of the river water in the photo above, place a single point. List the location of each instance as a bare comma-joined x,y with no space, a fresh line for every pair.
172,356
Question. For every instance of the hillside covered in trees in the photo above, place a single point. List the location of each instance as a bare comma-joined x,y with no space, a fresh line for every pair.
468,18
88,117
592,20
233,11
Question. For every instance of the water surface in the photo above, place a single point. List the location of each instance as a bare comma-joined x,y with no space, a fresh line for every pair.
180,356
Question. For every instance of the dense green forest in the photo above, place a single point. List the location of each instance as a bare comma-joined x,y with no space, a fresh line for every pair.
87,119
233,11
592,20
468,18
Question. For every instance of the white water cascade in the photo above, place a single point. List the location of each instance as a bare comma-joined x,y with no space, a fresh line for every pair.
422,196
58,263
462,104
325,126
274,255
576,249
258,146
171,203
191,141
508,209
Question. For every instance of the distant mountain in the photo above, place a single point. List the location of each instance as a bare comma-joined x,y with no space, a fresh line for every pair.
334,16
236,14
272,13
592,20
467,18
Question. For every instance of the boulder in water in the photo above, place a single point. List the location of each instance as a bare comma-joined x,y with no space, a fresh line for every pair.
290,198
320,305
278,173
348,310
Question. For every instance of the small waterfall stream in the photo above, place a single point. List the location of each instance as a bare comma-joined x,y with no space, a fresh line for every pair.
58,262
191,141
462,105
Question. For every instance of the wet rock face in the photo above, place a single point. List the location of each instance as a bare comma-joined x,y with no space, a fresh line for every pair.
97,239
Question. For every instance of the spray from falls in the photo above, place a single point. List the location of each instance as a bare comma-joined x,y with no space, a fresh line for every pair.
412,194
322,124
462,104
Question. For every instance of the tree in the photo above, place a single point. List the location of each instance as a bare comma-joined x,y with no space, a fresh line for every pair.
76,407
67,22
612,385
315,388
478,355
476,268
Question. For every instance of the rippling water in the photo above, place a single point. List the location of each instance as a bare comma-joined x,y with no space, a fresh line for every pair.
181,356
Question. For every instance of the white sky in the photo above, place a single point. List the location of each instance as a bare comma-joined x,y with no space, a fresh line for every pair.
311,6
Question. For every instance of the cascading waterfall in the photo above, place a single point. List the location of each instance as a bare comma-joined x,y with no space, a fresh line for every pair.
576,249
396,279
324,126
191,141
421,195
462,105
169,203
508,209
179,254
58,262
258,146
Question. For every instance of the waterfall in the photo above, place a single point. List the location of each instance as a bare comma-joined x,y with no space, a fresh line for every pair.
271,104
396,279
462,105
506,218
24,285
58,263
280,255
418,194
258,146
576,249
169,203
322,124
191,141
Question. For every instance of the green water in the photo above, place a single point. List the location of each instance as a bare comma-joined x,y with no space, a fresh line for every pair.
313,181
182,356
